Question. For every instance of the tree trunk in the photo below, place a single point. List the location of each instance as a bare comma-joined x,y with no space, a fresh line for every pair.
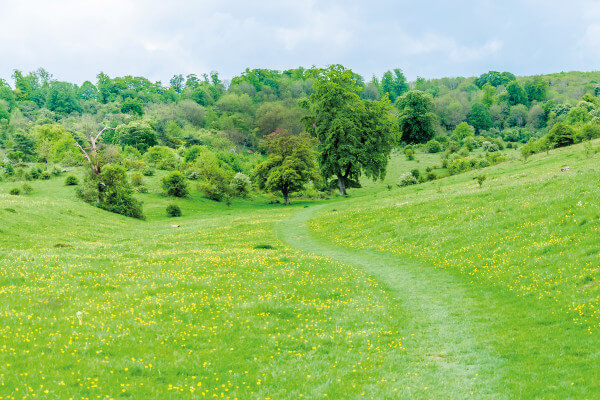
341,185
286,199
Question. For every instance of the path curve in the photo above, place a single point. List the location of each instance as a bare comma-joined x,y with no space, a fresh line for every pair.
442,315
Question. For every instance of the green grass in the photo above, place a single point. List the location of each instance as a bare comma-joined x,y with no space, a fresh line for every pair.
439,290
200,310
526,243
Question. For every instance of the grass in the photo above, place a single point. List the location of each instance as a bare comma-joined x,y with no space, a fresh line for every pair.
439,290
194,310
526,243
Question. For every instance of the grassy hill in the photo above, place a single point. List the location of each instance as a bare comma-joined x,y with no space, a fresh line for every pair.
437,290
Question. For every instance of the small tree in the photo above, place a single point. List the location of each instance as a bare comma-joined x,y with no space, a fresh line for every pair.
175,184
290,164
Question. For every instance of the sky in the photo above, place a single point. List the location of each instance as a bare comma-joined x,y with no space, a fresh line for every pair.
76,39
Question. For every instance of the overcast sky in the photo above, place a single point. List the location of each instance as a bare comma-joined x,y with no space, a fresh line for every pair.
76,39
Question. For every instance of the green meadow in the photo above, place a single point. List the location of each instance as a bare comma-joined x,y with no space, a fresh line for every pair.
443,290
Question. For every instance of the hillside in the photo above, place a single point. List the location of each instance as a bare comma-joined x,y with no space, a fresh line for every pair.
437,290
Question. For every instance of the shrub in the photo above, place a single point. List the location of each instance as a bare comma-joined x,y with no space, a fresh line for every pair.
55,171
15,191
71,180
161,157
27,188
211,191
241,185
136,179
480,179
173,210
433,146
148,171
416,173
430,176
407,180
175,185
35,173
45,175
409,153
490,147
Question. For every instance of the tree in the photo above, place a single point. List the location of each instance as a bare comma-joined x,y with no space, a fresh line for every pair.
516,94
174,184
462,131
62,98
416,118
561,135
137,134
133,106
479,117
394,85
488,95
177,83
536,88
355,136
289,166
24,145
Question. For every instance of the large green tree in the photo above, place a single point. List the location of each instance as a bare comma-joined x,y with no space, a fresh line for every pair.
516,94
479,117
355,136
393,84
290,164
416,117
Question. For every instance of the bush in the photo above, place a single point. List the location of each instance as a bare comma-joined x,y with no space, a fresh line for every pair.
407,180
148,171
161,157
173,210
71,180
15,191
409,153
45,175
136,179
490,147
35,173
175,184
27,188
211,191
241,185
433,146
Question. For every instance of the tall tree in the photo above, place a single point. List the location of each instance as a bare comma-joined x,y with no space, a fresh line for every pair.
355,136
516,94
416,118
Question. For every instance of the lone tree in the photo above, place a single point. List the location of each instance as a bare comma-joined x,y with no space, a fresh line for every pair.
355,136
416,117
289,166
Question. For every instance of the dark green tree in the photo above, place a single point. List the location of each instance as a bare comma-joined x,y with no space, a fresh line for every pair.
24,144
132,106
416,118
62,98
561,135
88,91
136,134
355,136
516,94
479,117
290,164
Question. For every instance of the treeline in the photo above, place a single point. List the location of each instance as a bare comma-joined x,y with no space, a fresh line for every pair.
355,122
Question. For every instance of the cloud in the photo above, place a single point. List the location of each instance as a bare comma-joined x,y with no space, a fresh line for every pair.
76,39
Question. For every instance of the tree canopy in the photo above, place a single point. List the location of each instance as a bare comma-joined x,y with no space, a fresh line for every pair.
355,136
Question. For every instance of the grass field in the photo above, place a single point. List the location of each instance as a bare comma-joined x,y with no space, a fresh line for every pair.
439,290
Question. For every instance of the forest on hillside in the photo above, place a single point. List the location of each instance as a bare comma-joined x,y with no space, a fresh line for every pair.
212,130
